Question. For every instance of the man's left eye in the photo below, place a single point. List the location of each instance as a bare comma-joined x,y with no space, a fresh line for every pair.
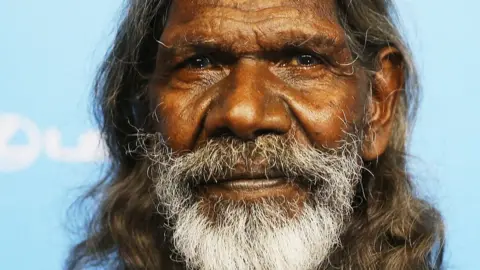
305,60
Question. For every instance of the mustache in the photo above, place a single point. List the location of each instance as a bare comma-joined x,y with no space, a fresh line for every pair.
228,157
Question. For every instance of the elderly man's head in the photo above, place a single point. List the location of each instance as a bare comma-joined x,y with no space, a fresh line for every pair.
253,134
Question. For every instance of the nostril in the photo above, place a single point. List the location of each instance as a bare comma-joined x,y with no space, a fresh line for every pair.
262,132
222,132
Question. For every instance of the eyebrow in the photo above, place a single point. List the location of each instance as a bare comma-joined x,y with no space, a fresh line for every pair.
314,41
301,39
190,44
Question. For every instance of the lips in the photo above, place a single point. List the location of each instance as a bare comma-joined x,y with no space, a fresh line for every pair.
252,184
252,174
255,178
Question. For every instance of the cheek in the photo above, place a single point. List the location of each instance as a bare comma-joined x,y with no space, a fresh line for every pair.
180,114
181,104
325,113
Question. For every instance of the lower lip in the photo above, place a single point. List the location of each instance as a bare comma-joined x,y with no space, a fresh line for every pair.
251,184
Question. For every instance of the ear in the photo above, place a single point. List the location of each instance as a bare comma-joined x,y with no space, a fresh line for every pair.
387,83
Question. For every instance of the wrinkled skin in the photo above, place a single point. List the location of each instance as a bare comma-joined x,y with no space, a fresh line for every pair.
248,68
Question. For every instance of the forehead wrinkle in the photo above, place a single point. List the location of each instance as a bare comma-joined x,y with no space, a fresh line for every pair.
269,35
321,7
253,10
246,5
257,16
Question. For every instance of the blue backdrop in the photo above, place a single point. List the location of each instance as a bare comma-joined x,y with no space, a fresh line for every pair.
48,146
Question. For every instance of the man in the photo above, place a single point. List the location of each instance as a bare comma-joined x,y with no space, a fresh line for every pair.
253,134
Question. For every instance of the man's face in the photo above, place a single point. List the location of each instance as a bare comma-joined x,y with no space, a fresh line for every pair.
261,119
249,68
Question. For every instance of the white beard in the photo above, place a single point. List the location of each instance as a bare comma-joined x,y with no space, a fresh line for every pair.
259,234
248,239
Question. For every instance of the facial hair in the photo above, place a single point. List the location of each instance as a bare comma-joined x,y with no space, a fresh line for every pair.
258,234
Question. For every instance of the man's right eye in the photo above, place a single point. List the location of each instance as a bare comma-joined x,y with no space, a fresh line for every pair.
198,62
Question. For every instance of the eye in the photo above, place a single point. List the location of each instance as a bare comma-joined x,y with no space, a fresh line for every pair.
305,60
198,62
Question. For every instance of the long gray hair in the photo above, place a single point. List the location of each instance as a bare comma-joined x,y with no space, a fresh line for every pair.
391,227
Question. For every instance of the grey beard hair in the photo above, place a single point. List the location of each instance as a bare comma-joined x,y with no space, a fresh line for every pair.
258,234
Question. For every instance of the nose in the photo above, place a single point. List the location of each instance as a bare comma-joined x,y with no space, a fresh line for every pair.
247,107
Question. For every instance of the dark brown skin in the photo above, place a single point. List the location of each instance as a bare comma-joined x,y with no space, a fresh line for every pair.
248,68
